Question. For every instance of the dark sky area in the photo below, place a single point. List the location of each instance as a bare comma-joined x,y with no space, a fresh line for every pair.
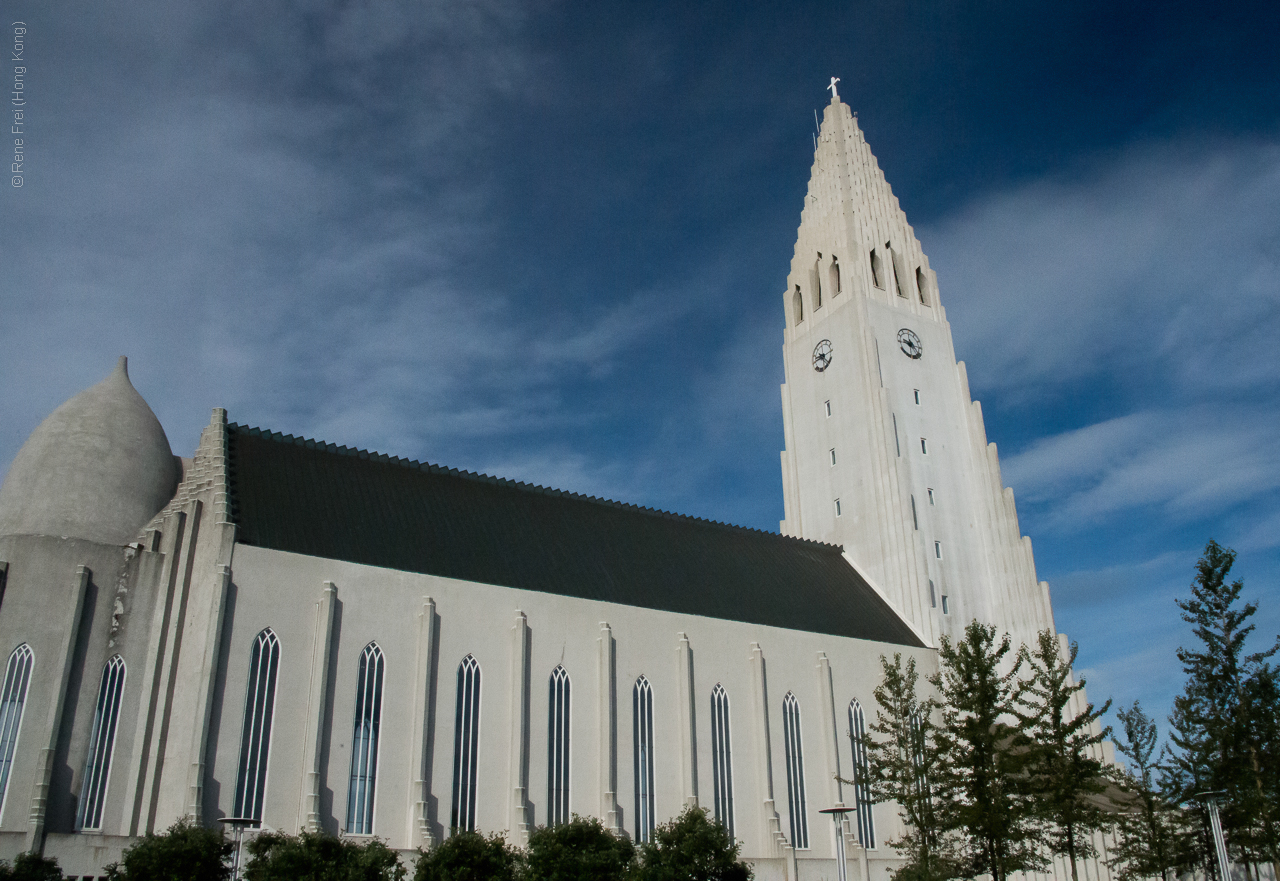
549,241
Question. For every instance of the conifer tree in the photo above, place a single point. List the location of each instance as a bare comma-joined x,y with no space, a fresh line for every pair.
1147,828
1223,723
983,789
1067,780
902,760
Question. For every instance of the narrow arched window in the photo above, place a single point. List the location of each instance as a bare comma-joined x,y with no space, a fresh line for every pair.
795,772
558,748
721,758
642,718
815,282
97,767
255,736
833,276
922,284
364,742
877,274
861,775
17,676
466,746
797,305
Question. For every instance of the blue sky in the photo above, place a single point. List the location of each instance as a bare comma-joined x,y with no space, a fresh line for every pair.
549,241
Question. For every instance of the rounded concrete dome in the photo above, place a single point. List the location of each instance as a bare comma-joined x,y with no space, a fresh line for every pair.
99,468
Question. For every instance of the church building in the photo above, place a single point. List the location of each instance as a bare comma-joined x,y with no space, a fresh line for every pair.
317,637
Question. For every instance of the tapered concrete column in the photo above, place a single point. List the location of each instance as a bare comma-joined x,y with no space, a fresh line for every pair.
518,766
53,719
421,816
204,700
831,736
607,728
688,721
771,837
317,703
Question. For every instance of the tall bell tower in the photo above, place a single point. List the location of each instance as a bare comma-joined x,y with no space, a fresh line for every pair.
886,453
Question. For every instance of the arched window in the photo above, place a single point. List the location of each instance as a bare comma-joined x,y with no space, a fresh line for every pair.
17,676
815,282
861,775
97,767
896,268
466,746
255,736
721,758
642,717
922,285
558,749
795,772
833,276
797,305
364,742
877,273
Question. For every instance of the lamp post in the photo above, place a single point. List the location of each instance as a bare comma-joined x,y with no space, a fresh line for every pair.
1210,799
837,814
239,824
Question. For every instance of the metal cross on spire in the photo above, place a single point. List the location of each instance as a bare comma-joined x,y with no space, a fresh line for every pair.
832,87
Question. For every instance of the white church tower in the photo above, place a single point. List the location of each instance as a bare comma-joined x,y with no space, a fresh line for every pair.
886,454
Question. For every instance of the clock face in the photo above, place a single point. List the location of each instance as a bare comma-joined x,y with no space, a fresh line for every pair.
822,355
910,343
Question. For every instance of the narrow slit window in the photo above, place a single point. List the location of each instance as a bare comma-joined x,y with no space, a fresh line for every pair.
861,776
255,736
877,276
837,507
917,394
97,766
894,260
915,520
924,446
833,455
558,749
466,746
721,759
364,741
931,496
834,275
827,404
13,696
642,721
933,595
945,610
937,549
794,755
797,305
815,282
922,285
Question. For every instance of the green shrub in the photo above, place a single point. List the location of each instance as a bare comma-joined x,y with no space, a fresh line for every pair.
691,848
275,856
469,856
184,852
581,850
30,867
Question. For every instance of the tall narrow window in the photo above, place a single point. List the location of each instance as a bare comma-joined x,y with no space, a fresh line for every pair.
255,738
797,305
837,507
917,393
924,446
915,521
827,404
937,549
931,495
877,276
364,742
795,772
833,456
558,749
861,775
17,676
946,610
894,267
721,758
933,595
466,746
921,285
102,739
815,282
833,275
642,737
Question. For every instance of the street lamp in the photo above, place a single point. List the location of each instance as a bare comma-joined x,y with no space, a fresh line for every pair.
239,824
1210,799
837,814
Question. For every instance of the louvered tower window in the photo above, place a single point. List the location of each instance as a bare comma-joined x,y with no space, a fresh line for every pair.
466,746
255,737
17,676
558,749
721,758
102,739
364,741
642,716
861,776
795,772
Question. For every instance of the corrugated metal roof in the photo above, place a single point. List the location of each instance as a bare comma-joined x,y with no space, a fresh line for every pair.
308,497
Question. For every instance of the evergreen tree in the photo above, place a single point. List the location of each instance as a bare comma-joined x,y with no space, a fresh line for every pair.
1223,723
983,789
470,856
275,856
1067,780
183,852
691,848
580,850
1147,827
903,759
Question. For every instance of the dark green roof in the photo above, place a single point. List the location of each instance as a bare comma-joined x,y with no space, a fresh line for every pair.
307,497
